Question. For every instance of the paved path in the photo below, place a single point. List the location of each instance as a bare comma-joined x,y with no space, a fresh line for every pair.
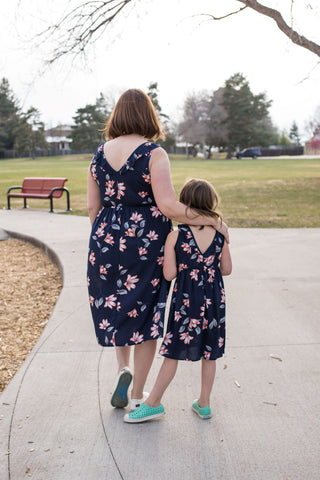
55,416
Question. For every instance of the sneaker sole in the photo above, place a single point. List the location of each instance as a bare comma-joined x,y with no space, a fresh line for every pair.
143,419
120,395
204,417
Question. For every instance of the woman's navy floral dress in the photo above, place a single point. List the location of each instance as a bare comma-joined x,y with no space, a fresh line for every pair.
196,324
127,290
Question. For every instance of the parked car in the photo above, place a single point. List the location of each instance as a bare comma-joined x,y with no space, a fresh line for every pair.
249,152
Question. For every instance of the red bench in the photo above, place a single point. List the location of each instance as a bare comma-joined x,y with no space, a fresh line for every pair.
40,188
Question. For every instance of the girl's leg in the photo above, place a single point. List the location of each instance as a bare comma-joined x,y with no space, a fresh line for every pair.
164,378
123,357
208,372
143,358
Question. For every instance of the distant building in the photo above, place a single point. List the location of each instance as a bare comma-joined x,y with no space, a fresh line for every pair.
312,146
58,139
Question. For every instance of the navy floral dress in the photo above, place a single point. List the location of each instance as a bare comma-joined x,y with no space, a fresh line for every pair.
127,290
196,324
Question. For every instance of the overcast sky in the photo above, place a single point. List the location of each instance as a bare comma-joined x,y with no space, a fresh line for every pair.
163,41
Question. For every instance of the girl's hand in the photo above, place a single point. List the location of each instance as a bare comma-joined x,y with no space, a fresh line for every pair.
223,228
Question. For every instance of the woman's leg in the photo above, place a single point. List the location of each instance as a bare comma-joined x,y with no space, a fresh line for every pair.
123,357
143,358
164,378
208,372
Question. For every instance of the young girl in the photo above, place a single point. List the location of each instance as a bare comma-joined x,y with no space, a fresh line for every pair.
198,256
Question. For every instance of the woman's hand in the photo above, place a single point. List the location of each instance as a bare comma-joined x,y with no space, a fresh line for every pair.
223,229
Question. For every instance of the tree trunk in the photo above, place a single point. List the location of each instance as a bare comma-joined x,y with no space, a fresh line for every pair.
229,153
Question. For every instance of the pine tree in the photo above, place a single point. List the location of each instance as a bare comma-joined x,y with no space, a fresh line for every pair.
30,133
245,112
294,134
153,94
9,117
89,122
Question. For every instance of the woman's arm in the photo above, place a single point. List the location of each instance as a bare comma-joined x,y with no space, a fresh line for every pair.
165,196
169,262
93,198
225,260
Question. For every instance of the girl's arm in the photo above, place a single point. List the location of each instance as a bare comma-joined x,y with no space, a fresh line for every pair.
93,198
165,196
225,260
169,262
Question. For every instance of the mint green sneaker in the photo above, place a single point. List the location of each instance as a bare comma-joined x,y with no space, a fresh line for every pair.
204,412
144,413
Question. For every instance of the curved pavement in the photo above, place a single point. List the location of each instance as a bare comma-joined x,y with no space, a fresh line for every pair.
55,416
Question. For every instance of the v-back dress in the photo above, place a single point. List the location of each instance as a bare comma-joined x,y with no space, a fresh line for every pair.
127,290
196,323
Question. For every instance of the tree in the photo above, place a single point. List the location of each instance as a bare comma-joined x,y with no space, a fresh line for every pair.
9,116
313,125
266,132
30,133
215,121
245,112
203,121
83,25
232,117
169,140
284,140
153,94
192,128
89,122
294,134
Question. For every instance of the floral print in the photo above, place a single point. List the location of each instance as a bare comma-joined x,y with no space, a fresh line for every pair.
196,323
127,290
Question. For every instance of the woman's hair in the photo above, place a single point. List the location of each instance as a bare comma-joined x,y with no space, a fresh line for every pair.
200,196
134,113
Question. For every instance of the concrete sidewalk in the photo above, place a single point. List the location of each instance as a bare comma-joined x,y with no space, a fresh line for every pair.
55,416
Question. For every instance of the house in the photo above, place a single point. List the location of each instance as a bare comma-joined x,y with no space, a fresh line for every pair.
58,139
312,146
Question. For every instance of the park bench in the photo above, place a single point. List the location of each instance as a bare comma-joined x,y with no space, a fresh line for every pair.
46,188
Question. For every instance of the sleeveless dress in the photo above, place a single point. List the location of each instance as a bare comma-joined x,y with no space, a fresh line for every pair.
127,290
196,323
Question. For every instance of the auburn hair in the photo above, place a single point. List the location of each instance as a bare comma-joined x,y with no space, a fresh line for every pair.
134,113
200,196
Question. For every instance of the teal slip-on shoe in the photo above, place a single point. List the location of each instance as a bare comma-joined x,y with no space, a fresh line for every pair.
144,413
120,395
204,412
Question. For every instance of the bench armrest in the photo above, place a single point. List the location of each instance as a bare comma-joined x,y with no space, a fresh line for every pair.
63,189
55,189
13,188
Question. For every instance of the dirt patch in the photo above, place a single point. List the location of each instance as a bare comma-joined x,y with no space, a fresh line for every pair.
30,284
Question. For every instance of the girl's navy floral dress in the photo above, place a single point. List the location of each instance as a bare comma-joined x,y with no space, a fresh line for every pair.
196,324
127,290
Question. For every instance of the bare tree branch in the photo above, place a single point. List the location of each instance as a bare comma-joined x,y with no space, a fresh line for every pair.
294,36
82,26
291,12
212,17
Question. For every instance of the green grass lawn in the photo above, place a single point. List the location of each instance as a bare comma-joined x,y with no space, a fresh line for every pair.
254,192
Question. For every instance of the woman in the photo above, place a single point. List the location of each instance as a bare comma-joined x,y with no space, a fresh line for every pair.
130,202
